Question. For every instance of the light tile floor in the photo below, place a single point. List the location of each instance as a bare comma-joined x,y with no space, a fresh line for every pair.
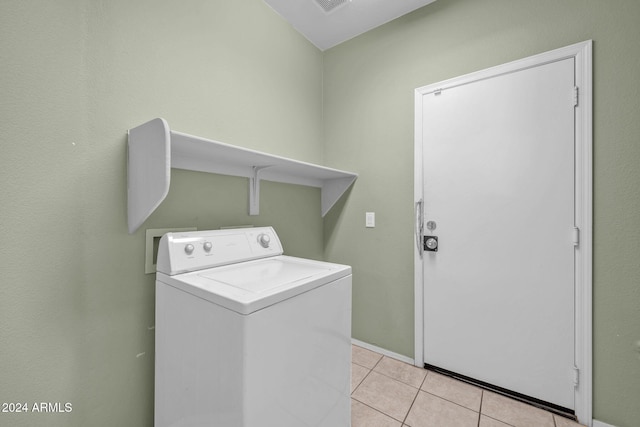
388,393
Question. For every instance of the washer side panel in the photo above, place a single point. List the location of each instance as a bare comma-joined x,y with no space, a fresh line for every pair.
198,364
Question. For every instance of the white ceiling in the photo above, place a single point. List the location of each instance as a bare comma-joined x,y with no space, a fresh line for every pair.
343,22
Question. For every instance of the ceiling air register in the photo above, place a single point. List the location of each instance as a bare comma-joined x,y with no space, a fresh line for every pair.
329,5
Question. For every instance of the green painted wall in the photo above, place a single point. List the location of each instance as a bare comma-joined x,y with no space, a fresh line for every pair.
368,110
75,305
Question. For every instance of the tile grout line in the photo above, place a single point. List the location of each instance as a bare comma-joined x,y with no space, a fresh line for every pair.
500,421
378,362
361,381
359,364
365,377
377,410
481,414
479,411
366,367
523,403
393,379
410,407
454,403
480,408
414,400
419,389
450,401
398,380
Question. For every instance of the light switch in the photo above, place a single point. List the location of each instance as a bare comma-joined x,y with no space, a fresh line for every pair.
370,219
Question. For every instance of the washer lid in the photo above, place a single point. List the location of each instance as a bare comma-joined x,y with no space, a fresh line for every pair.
264,276
253,285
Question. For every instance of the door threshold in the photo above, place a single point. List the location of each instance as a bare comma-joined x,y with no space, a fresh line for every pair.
538,403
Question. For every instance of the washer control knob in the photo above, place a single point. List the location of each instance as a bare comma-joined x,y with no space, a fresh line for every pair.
264,240
189,249
207,246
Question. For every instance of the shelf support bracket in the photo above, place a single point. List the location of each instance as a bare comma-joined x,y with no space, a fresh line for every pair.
153,150
254,190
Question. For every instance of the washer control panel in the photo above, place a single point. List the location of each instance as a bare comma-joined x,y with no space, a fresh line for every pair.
182,252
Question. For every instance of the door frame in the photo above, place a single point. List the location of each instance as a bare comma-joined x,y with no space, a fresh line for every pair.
582,54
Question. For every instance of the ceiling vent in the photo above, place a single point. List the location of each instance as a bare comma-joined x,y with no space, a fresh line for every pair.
329,5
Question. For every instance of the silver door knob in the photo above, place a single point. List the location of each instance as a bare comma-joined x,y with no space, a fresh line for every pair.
431,243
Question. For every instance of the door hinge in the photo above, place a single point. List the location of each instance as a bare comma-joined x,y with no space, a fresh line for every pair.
576,236
576,94
576,376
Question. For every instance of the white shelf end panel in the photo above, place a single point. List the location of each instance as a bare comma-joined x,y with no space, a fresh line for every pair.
154,149
148,170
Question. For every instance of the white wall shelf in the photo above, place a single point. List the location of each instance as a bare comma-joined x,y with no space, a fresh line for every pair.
154,149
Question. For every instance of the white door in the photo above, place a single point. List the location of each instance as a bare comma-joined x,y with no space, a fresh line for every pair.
498,183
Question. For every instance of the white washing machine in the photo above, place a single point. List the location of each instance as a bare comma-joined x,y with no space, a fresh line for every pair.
248,337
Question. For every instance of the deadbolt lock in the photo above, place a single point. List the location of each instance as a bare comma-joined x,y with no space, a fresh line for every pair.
431,243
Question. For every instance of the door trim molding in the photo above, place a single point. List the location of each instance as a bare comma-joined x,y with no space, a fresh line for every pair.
582,54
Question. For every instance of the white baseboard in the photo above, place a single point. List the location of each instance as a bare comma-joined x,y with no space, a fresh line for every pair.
387,353
597,423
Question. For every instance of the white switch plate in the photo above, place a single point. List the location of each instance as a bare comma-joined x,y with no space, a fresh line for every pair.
370,219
